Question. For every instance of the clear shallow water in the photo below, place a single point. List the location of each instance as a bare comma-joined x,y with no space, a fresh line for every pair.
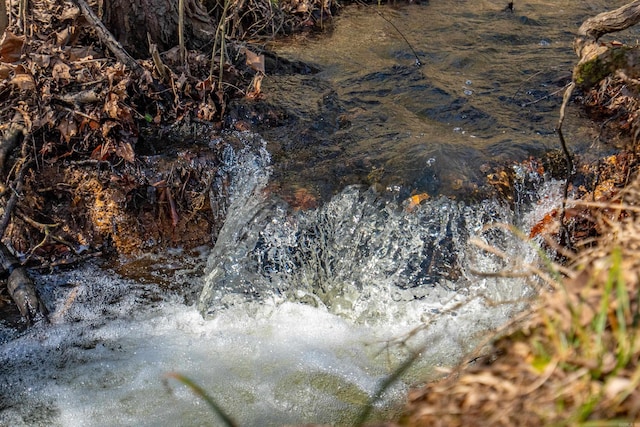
488,91
308,311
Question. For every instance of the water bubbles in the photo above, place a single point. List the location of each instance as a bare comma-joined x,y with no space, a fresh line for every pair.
466,90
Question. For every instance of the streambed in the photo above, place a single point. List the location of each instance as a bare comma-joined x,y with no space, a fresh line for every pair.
307,311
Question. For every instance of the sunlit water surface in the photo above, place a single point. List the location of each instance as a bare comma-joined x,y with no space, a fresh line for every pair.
299,316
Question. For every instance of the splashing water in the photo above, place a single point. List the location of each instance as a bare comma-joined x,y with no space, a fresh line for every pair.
360,255
307,312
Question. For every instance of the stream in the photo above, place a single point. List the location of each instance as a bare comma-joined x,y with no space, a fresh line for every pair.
298,316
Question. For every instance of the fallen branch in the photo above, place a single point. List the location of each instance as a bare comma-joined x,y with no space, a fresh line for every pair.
22,289
611,22
107,38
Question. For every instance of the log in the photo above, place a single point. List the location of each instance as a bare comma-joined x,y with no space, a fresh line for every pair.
22,289
611,22
597,60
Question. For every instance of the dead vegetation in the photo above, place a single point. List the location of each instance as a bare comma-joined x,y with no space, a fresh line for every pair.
92,125
101,153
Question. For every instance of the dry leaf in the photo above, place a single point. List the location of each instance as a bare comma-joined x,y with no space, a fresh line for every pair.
22,80
61,71
111,106
40,60
66,36
5,71
107,126
82,53
68,128
102,151
11,47
256,62
84,97
69,13
256,85
125,150
415,200
207,111
616,386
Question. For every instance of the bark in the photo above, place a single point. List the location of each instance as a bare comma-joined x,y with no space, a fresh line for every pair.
21,288
131,20
4,19
599,60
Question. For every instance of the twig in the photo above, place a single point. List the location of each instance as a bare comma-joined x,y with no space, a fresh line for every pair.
569,160
418,62
183,51
107,38
526,104
13,199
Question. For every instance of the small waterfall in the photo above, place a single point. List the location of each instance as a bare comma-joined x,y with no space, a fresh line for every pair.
361,255
305,312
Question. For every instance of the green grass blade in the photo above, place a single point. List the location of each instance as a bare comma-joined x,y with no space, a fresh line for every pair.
199,391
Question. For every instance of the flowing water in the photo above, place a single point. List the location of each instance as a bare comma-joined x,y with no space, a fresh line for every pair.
298,316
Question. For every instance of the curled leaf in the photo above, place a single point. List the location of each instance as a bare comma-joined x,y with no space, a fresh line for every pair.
22,79
11,47
125,151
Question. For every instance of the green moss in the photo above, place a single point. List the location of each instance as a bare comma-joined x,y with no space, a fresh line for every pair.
589,73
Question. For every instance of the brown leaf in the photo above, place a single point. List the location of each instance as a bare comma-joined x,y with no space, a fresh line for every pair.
66,36
41,60
207,111
256,84
11,47
125,150
111,106
68,128
107,126
79,98
256,62
70,14
5,71
23,80
82,53
61,71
